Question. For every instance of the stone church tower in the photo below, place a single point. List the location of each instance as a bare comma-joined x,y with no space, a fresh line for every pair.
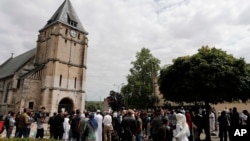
54,73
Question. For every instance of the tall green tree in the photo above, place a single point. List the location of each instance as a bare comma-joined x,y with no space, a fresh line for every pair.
139,92
209,76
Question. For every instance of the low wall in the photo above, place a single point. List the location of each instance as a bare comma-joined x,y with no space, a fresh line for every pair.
240,106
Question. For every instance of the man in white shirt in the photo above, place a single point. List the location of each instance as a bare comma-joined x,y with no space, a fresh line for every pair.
107,130
98,117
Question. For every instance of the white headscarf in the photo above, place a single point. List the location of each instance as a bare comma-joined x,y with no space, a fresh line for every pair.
181,121
66,127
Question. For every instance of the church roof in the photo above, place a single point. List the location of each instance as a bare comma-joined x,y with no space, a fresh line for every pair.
9,67
67,15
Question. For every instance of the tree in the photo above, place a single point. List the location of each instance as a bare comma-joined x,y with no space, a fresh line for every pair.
115,100
139,92
209,76
92,105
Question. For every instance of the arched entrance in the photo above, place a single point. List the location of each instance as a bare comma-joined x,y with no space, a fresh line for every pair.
66,104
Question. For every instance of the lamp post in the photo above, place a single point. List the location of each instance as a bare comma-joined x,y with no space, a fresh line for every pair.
118,87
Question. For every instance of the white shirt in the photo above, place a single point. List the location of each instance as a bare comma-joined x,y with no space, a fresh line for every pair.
98,132
107,120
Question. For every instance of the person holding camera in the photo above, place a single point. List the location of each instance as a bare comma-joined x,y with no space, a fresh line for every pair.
40,119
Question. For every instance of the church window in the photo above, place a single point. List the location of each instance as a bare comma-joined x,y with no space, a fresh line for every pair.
65,41
78,36
66,31
6,96
7,92
71,22
60,81
75,83
74,44
18,83
31,105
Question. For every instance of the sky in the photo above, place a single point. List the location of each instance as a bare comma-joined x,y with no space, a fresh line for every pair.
118,29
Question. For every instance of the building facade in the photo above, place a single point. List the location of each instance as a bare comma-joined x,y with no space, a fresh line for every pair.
54,73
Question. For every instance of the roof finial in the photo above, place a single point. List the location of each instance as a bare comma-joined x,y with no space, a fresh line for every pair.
12,55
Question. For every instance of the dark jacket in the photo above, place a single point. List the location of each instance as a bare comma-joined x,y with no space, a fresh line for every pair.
129,126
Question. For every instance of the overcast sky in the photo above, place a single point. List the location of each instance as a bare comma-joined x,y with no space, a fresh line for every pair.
120,28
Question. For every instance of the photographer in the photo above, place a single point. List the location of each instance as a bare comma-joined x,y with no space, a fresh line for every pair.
40,119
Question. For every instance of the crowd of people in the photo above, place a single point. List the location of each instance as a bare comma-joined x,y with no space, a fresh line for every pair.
127,125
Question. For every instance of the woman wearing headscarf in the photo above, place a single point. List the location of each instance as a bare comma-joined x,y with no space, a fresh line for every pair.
66,127
91,126
182,130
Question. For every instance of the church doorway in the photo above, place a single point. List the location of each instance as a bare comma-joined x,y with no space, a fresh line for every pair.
66,104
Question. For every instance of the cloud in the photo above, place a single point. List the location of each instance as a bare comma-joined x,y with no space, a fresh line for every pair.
118,29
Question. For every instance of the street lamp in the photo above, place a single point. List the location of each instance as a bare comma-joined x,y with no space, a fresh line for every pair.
118,87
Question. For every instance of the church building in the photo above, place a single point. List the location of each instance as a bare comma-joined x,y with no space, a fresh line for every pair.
53,74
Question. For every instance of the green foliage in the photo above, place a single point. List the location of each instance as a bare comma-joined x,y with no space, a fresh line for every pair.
115,101
93,105
210,76
139,91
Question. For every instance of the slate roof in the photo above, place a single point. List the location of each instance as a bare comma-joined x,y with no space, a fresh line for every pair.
64,14
9,67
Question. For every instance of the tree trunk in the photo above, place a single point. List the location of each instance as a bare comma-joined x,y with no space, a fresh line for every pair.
207,125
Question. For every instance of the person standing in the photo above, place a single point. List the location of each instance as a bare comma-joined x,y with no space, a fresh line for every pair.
189,122
116,123
98,117
66,128
83,127
172,119
155,125
6,122
234,122
223,126
31,120
138,132
23,124
16,124
211,121
92,126
197,124
52,125
107,129
182,130
58,121
128,126
11,124
165,133
40,119
248,117
74,126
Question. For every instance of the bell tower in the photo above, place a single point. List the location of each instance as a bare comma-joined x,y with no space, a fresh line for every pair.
62,51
